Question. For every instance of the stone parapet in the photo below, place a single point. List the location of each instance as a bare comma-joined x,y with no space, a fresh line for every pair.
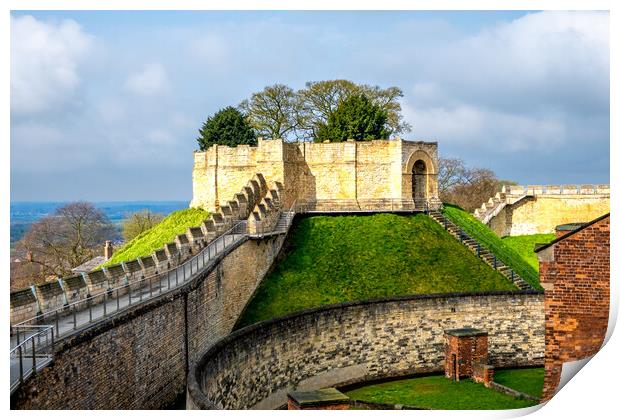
344,344
532,209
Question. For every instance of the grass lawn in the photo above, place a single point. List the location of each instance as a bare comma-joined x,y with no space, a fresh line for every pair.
524,245
345,258
162,233
528,380
493,243
438,392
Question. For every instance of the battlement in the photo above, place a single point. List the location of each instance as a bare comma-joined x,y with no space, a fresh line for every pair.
28,303
582,189
310,172
509,212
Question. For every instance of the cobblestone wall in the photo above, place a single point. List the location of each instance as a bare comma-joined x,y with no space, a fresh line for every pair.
256,366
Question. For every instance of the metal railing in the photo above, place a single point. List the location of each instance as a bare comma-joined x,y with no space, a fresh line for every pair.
102,305
482,252
283,221
33,350
361,205
32,340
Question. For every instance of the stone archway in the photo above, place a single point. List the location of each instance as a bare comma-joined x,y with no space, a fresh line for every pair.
419,183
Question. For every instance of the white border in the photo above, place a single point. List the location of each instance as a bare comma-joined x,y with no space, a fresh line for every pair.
592,395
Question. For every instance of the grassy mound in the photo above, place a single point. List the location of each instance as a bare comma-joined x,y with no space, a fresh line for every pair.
346,258
162,233
493,243
438,392
524,245
529,380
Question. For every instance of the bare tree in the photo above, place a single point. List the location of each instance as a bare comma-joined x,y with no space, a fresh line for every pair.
452,172
71,236
139,222
272,112
466,187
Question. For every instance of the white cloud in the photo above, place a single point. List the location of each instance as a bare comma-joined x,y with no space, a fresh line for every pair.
45,58
466,126
516,87
152,80
542,59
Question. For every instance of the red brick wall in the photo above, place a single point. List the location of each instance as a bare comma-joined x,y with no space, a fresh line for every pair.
575,274
468,350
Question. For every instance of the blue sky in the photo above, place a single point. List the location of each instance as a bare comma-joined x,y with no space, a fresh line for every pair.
106,105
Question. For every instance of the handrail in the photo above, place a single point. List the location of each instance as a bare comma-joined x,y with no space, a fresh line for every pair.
71,308
464,236
66,320
24,364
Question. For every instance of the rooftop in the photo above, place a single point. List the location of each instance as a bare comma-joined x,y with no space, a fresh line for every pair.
318,397
465,332
89,265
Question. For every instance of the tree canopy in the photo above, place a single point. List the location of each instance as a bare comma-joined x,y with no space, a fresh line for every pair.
466,187
281,112
227,127
139,222
74,234
355,118
272,112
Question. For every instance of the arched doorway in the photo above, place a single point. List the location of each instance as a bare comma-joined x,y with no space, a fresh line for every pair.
419,183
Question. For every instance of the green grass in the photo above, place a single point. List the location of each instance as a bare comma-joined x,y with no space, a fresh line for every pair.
438,392
529,381
524,245
346,258
162,233
486,237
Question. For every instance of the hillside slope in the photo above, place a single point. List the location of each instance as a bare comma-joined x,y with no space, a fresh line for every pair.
524,245
486,237
159,235
346,258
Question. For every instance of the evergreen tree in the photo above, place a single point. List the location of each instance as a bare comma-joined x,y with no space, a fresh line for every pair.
355,118
227,127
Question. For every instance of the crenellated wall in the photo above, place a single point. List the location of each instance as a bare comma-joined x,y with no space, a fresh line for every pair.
256,198
360,341
138,359
527,210
351,170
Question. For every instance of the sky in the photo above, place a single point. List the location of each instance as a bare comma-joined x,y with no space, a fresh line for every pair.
106,105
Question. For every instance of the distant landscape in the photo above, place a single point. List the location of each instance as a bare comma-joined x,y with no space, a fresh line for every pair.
23,214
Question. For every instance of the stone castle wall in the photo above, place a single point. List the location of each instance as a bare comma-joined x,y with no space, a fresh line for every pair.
354,342
378,169
529,210
138,359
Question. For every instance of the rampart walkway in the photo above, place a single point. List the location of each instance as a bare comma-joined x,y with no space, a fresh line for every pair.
32,341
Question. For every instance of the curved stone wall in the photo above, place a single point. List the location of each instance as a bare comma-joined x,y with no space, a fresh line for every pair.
360,341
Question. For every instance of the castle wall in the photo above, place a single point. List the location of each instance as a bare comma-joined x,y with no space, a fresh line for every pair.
527,210
364,170
138,359
360,341
541,214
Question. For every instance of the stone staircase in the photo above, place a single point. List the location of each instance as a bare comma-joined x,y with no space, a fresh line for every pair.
483,253
496,204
